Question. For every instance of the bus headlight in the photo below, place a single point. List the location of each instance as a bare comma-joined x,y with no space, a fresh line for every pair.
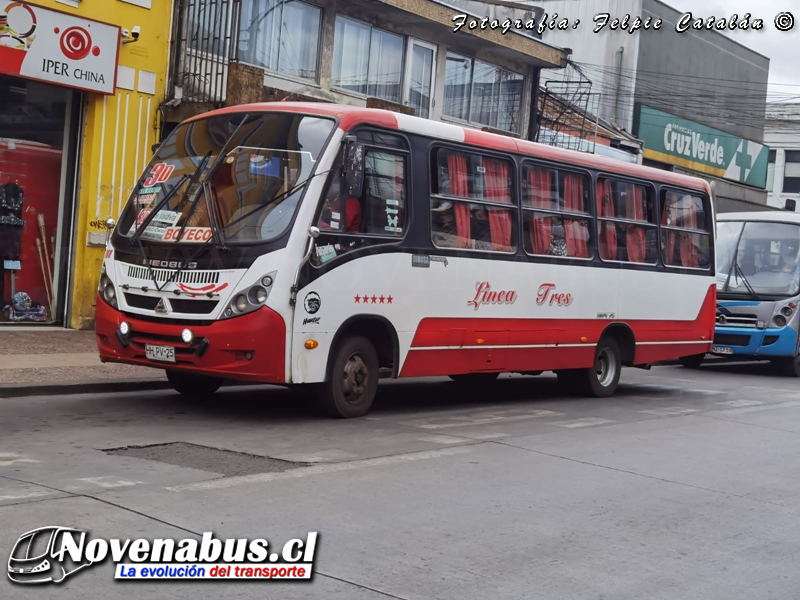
241,303
124,328
257,295
187,336
779,320
786,311
250,299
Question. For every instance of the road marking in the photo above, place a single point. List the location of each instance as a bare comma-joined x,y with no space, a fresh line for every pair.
666,412
331,455
113,483
739,403
587,422
752,409
443,439
26,495
488,436
488,419
323,469
12,458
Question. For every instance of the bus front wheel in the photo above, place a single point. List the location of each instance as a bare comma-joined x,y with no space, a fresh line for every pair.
601,380
190,384
790,366
353,382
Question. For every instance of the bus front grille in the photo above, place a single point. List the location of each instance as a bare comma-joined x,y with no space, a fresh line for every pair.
737,320
727,339
162,275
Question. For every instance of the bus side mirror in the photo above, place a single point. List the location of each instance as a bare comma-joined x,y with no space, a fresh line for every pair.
353,169
110,225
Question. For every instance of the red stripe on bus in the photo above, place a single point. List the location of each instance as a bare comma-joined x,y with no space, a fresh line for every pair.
469,344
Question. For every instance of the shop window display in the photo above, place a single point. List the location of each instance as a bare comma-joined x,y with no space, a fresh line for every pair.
32,129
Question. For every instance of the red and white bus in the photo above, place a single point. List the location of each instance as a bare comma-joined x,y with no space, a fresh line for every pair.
329,246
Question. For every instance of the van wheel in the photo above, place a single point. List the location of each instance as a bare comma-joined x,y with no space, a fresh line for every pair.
601,380
477,379
790,366
190,384
692,362
353,382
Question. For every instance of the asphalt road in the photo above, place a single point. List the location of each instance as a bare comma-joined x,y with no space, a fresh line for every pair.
685,485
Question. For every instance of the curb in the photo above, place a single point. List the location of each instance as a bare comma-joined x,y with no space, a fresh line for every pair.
19,390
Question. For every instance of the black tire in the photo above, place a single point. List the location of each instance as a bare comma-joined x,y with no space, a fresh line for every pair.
477,379
601,380
692,362
353,382
191,384
790,366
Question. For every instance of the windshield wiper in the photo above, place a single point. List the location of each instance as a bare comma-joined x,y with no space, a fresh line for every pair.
258,208
167,197
741,274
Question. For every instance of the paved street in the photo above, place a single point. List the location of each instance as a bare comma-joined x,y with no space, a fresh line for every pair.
686,485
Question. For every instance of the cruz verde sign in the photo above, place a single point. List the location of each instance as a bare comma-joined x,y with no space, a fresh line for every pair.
676,141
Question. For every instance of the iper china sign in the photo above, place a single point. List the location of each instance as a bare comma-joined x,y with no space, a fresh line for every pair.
55,47
677,141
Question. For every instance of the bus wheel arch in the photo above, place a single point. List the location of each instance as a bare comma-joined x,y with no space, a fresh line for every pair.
622,334
381,334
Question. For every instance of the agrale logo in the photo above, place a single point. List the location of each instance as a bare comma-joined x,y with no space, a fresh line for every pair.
50,554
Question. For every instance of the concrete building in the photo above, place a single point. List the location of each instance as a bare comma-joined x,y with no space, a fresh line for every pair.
398,54
695,98
782,136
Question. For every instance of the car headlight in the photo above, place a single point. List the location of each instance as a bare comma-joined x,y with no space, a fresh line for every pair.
250,299
779,320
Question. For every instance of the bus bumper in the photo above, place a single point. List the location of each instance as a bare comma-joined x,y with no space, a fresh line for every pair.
247,348
755,342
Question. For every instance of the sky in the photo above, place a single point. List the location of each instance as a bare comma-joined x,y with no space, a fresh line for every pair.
783,49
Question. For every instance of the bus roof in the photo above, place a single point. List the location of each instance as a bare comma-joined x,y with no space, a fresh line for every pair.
350,116
778,216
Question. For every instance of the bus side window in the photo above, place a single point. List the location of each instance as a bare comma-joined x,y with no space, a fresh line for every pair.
685,237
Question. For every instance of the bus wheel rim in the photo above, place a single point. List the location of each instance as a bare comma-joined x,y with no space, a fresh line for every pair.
605,367
355,378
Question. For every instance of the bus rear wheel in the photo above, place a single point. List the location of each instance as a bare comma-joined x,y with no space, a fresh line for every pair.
353,382
190,384
601,380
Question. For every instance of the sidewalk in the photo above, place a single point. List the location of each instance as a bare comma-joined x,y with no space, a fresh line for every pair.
51,360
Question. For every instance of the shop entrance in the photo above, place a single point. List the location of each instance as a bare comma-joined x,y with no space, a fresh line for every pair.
37,156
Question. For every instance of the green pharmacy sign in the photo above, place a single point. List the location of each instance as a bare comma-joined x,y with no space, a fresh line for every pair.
676,141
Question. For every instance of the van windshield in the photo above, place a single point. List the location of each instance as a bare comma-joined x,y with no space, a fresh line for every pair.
758,258
241,175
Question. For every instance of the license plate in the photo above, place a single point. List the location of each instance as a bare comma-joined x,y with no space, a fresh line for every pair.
721,350
162,353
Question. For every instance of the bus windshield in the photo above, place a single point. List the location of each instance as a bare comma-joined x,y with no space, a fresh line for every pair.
237,176
758,258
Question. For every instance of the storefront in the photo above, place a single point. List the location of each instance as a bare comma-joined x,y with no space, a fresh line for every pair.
79,96
736,166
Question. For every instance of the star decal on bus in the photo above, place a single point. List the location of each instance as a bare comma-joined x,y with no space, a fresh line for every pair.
367,299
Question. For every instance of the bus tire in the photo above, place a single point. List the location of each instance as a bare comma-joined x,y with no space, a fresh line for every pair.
191,384
353,382
692,362
477,379
601,380
791,366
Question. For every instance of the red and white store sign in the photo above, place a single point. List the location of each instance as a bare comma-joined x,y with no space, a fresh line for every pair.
55,47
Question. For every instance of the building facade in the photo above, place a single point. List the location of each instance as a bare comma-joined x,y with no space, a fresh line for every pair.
403,55
695,98
782,136
81,82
